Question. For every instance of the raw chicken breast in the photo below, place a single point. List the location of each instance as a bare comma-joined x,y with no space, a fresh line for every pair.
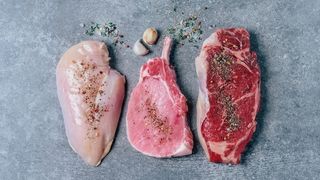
91,96
156,118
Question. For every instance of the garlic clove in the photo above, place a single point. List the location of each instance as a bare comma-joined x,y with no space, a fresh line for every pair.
150,36
139,49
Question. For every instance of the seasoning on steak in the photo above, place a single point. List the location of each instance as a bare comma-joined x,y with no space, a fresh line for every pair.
229,94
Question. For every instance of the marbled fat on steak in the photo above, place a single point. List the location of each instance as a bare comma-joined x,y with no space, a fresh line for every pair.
229,94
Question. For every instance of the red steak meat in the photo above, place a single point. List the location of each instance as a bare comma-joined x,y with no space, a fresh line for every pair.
229,94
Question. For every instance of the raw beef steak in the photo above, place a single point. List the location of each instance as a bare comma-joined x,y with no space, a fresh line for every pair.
156,118
229,94
91,96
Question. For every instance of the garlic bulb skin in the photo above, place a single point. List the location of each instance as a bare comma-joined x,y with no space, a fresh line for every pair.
150,36
139,49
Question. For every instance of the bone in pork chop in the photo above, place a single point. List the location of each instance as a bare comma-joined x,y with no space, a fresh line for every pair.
156,118
229,94
91,96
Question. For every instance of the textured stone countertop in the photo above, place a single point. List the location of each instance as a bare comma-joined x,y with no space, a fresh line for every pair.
34,35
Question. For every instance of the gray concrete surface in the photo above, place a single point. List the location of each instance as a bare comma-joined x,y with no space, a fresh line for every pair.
34,34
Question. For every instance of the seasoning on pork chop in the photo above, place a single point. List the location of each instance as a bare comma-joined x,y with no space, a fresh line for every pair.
156,118
229,94
91,96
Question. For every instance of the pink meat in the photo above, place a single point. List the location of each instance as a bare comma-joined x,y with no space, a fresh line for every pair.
229,94
91,96
156,118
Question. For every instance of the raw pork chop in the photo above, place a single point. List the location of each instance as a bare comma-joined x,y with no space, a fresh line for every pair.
91,96
156,118
229,94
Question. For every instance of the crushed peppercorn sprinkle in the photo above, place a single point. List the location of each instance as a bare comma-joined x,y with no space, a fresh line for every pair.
187,29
